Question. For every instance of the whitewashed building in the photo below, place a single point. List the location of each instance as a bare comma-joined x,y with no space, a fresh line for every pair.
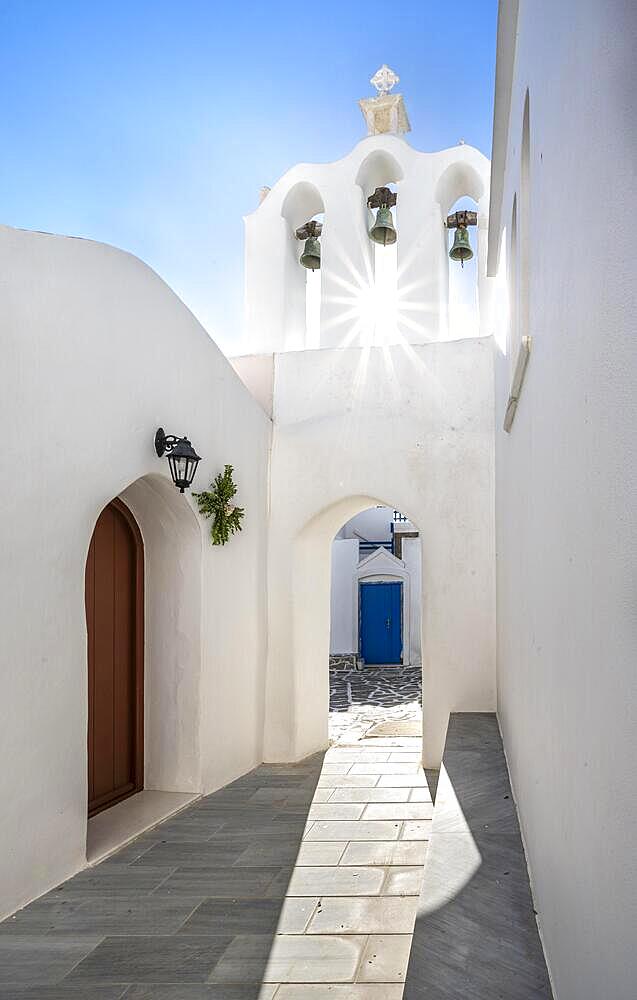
375,399
231,662
370,384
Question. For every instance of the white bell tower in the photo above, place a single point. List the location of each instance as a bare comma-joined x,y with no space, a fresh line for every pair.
363,294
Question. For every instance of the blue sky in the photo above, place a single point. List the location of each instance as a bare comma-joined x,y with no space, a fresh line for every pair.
152,125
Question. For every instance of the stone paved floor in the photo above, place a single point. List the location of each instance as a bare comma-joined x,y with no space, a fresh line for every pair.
360,699
476,931
296,882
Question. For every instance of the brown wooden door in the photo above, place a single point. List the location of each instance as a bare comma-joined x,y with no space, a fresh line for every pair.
115,624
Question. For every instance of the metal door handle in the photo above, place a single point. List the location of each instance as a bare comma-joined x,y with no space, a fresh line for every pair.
388,623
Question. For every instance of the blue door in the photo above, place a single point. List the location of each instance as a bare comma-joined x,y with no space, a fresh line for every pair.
380,622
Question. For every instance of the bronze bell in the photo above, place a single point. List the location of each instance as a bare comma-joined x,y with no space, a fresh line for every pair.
311,256
461,249
383,231
310,232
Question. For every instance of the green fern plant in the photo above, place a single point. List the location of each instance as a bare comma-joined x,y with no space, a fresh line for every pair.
216,503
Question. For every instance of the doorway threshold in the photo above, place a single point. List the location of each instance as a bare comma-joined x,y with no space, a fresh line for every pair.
115,827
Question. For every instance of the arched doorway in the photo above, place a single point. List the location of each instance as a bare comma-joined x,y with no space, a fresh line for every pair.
114,589
311,622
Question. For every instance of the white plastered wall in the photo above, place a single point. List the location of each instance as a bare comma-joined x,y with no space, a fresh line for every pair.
566,483
410,427
343,631
257,374
97,352
173,544
412,559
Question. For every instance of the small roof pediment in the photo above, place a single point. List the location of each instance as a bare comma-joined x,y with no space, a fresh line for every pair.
382,560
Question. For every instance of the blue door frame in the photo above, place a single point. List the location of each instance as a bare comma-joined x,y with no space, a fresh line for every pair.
380,622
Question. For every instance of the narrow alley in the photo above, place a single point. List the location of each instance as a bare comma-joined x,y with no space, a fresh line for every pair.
296,881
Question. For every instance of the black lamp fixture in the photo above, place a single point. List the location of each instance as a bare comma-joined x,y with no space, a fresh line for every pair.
182,457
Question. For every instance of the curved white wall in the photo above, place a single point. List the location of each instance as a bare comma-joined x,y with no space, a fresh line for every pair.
173,545
96,353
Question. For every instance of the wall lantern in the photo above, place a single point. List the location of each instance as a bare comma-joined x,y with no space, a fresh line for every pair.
311,256
383,231
182,458
461,249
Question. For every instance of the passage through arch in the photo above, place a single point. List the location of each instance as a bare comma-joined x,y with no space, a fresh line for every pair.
375,623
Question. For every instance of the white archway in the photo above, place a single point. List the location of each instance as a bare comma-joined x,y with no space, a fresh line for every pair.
302,202
458,179
298,682
379,169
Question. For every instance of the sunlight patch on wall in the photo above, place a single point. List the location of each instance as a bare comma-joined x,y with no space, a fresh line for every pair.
385,294
313,309
501,299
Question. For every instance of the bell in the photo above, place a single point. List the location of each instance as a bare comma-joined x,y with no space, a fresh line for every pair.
311,256
383,230
461,249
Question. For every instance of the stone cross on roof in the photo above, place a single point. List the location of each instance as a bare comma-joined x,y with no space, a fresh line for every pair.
384,79
386,112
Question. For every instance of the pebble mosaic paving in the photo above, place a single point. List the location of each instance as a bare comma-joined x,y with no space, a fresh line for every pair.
361,699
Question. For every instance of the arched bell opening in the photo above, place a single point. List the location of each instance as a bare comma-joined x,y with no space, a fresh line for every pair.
310,260
380,170
461,189
304,214
462,273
